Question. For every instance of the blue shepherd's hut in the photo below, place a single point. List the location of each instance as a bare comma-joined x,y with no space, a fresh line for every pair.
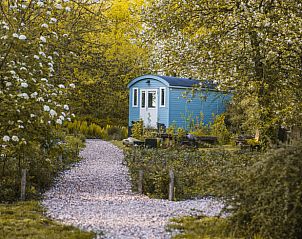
165,100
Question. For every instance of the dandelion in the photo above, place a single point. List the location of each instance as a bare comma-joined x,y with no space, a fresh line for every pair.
24,85
59,121
43,39
66,107
52,113
46,108
15,138
6,138
22,37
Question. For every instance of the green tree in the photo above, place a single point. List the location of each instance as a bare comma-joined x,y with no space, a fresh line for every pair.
250,46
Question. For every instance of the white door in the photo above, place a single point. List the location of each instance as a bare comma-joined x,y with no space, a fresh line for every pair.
148,107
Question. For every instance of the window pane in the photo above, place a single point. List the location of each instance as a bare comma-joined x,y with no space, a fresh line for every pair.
162,97
143,99
135,97
151,99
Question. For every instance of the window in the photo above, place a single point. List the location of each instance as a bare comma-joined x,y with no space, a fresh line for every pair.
143,99
151,99
135,97
162,97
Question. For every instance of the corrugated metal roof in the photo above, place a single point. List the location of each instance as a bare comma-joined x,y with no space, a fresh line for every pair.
184,82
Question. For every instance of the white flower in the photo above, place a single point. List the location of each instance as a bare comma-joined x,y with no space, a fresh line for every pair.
24,95
24,85
66,107
34,95
56,53
65,0
32,115
67,9
46,108
44,79
23,68
59,6
42,53
61,86
15,138
65,35
68,119
40,4
48,12
43,39
6,27
72,85
63,113
6,138
52,113
15,35
21,126
61,117
8,84
22,37
36,57
53,20
73,115
40,99
44,25
59,121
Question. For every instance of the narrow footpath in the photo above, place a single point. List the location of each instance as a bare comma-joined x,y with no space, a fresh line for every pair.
96,195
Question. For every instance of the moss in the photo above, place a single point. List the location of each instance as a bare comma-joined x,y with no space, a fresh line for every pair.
26,220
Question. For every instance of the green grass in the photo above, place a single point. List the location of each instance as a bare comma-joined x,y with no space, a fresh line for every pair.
202,227
26,220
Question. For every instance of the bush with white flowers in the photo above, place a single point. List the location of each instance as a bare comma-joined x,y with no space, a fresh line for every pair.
33,94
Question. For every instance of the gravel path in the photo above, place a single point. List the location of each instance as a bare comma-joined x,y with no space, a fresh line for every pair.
96,195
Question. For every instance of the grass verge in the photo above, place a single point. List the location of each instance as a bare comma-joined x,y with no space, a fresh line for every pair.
25,220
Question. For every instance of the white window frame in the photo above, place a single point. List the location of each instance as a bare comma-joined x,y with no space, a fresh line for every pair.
137,99
145,91
160,96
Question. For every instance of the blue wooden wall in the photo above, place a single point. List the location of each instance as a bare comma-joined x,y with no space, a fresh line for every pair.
183,110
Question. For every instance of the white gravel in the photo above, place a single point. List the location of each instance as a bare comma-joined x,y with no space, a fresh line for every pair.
96,195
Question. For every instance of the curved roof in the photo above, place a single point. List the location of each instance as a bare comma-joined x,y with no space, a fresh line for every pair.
168,81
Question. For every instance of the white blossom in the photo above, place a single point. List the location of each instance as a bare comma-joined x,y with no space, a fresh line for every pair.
40,4
15,138
58,6
32,115
73,115
61,86
61,117
68,119
46,108
8,84
42,53
43,39
59,121
44,79
15,35
52,112
34,95
67,9
66,107
40,99
53,20
24,95
6,138
72,85
24,85
22,37
36,57
44,25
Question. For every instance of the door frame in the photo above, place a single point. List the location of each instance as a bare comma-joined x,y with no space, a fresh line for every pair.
147,90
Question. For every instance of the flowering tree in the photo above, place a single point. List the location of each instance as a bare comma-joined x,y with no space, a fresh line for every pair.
32,89
253,47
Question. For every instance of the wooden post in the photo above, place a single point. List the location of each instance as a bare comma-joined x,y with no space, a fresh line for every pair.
23,184
171,185
140,181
